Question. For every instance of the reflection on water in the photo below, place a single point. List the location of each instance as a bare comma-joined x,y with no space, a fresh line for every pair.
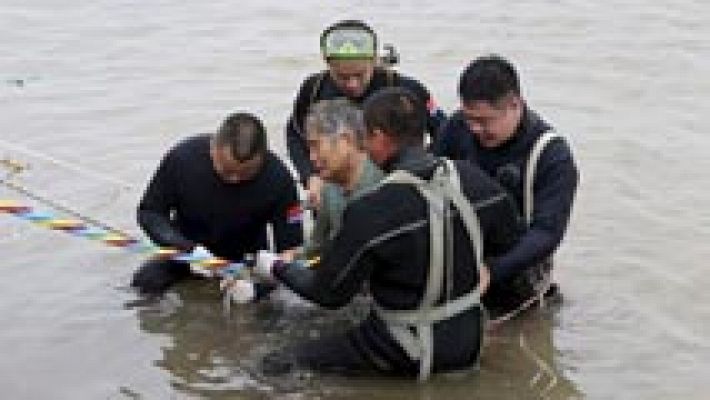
206,352
213,354
217,351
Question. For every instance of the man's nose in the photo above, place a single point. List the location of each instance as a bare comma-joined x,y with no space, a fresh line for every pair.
476,127
352,83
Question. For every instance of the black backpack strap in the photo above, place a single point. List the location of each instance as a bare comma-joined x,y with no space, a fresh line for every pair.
316,87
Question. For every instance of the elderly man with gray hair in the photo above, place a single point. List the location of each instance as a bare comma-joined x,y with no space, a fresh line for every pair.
334,132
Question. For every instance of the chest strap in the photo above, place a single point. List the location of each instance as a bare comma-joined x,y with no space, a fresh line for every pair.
528,209
531,169
413,329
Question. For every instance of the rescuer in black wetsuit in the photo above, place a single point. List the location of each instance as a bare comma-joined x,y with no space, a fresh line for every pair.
215,194
349,49
422,260
496,130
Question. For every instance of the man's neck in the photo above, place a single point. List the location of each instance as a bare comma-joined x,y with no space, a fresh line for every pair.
411,158
355,172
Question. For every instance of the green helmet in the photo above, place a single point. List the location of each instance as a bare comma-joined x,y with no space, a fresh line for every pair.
348,40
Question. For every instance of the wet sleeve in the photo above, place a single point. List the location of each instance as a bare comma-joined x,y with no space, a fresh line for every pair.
287,217
554,192
159,200
345,263
295,135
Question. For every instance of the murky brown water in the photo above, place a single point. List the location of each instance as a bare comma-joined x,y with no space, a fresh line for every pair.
106,86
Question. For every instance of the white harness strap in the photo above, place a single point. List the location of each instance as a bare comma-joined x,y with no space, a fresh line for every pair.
442,189
528,204
530,170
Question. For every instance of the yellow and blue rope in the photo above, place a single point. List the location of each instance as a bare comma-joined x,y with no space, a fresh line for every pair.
79,228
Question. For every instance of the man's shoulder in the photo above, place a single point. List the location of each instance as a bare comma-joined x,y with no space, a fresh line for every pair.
310,81
385,196
276,170
190,146
382,207
411,83
558,149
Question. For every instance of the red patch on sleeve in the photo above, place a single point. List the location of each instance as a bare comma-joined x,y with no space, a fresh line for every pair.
294,214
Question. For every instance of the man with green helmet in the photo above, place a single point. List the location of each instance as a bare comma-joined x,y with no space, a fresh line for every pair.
349,49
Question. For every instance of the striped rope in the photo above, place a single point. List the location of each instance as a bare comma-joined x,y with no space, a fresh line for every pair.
113,239
57,206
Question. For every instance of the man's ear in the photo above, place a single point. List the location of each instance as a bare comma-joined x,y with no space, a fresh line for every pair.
513,101
384,141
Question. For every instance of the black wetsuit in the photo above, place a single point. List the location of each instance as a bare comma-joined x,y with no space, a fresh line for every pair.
187,204
514,272
396,270
320,86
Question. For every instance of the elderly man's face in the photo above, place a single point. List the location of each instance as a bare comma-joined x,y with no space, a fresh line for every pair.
331,155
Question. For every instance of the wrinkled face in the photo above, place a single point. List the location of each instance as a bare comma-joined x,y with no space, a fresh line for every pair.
233,171
493,123
351,76
331,155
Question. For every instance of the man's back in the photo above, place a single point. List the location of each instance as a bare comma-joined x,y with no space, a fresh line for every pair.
404,258
386,241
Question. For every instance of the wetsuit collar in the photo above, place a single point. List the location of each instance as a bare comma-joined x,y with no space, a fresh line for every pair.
411,158
378,81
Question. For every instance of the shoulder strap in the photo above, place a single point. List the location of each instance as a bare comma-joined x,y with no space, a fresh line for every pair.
452,188
535,153
316,87
442,190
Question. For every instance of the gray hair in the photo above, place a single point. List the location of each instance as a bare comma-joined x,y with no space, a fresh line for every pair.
332,118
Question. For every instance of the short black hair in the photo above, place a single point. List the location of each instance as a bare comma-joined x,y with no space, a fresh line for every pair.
489,78
348,23
245,135
398,112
